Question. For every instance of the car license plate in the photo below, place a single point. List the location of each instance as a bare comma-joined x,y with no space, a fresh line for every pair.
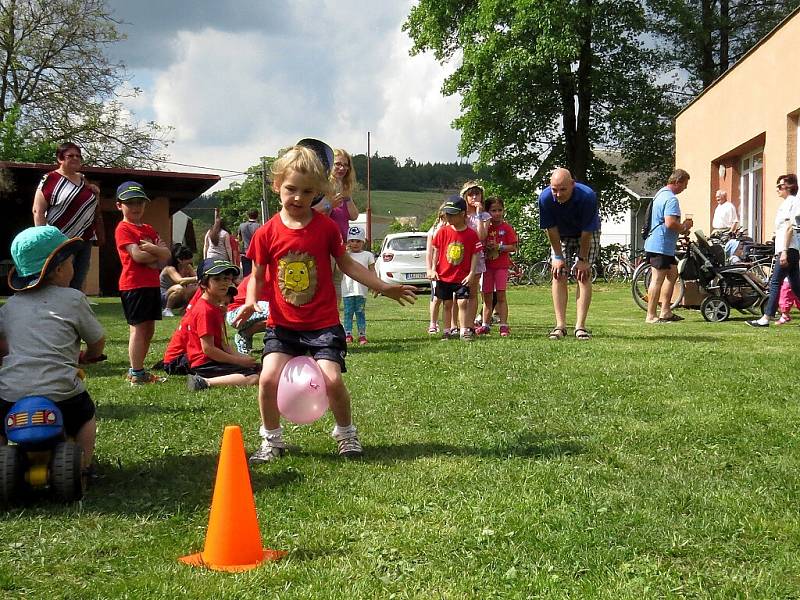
416,275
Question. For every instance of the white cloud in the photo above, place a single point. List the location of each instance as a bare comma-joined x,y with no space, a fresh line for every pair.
417,119
343,69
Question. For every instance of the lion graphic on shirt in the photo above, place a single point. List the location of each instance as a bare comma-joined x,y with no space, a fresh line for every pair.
297,278
455,253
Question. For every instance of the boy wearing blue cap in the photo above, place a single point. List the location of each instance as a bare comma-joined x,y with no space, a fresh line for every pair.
43,325
455,249
142,254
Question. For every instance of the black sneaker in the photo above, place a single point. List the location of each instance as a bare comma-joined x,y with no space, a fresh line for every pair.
757,323
195,383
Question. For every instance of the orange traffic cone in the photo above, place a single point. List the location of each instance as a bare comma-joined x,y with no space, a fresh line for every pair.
233,540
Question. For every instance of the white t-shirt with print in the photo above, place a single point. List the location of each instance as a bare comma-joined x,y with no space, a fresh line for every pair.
350,287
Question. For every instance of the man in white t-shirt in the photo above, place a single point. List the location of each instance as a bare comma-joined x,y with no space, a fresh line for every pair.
725,217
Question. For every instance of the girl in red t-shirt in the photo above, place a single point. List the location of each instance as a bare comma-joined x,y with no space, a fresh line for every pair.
501,240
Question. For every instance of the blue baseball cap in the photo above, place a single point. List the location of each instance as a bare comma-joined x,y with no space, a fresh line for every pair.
215,266
131,190
454,205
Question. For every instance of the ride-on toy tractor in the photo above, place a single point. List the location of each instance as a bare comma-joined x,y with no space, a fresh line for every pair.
38,456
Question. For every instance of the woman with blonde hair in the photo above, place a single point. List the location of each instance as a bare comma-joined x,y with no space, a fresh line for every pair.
343,180
343,209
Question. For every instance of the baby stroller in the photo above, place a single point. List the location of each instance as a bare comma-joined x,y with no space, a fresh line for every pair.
727,286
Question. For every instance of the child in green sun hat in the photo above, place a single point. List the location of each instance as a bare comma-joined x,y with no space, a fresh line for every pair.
42,325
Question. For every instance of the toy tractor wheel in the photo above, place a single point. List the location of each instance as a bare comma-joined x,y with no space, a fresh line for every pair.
65,472
715,309
12,474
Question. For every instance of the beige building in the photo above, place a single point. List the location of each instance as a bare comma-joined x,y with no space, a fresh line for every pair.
741,133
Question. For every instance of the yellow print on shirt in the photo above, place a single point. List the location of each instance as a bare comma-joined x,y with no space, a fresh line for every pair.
297,278
455,253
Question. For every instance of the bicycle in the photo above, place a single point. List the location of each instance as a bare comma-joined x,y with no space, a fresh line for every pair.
621,268
518,274
539,272
640,280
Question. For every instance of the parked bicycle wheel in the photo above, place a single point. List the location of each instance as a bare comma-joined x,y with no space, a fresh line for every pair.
616,272
516,275
540,273
761,272
641,282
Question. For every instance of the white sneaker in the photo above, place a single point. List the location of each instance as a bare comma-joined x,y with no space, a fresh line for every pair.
167,313
271,449
348,445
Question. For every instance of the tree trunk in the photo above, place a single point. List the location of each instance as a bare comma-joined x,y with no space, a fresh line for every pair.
724,35
706,44
583,151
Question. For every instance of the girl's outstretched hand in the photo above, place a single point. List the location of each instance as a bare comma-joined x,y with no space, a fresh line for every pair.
403,294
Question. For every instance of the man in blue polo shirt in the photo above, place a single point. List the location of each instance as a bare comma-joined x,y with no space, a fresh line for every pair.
660,246
568,211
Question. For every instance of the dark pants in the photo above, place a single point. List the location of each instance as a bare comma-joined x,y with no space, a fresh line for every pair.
81,265
792,271
247,266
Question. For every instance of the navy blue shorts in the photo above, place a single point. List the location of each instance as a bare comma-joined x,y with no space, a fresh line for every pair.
213,368
322,344
446,290
77,411
660,262
141,304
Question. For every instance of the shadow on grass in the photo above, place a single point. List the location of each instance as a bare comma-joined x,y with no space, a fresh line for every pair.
525,445
129,410
164,487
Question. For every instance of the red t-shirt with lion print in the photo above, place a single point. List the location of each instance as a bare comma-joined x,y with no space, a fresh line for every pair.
298,262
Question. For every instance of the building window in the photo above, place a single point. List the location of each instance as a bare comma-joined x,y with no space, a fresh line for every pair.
751,193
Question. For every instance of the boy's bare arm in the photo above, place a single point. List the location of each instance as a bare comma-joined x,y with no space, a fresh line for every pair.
254,287
473,265
434,260
139,255
159,250
93,352
401,293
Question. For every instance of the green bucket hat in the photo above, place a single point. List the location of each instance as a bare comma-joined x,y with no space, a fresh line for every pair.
34,251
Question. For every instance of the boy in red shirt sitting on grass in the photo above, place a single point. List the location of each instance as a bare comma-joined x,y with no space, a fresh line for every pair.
211,360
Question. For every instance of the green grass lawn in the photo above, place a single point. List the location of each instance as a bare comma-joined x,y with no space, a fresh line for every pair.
401,204
653,461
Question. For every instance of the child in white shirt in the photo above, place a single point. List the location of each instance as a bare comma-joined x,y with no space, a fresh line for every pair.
354,294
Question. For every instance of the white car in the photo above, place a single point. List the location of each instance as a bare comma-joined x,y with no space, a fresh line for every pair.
402,259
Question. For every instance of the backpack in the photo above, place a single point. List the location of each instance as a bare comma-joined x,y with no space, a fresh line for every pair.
648,217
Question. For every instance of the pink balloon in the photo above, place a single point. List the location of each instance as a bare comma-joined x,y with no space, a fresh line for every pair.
302,397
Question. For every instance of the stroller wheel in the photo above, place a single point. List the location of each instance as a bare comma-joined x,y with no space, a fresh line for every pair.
715,309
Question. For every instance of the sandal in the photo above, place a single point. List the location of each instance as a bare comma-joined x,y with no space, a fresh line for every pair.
557,333
672,317
583,334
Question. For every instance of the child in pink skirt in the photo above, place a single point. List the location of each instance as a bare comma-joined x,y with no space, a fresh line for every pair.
786,301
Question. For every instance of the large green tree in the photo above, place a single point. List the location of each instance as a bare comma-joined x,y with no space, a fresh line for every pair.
57,84
544,82
704,38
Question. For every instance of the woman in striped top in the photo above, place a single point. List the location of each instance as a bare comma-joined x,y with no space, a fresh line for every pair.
67,201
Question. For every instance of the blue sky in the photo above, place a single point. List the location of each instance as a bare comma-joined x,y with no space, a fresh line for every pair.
238,79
